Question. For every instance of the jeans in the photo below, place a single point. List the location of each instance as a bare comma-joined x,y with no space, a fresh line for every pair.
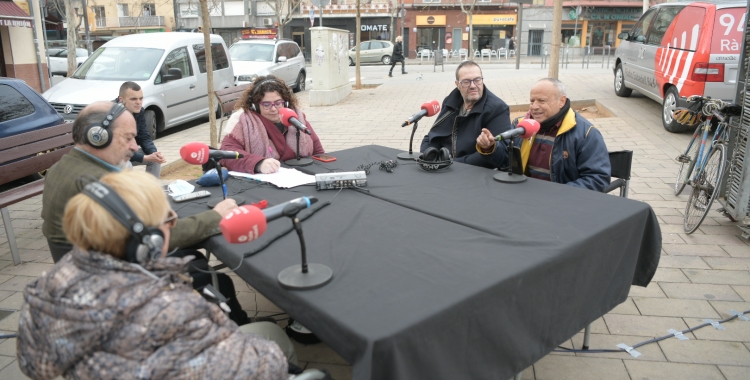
393,64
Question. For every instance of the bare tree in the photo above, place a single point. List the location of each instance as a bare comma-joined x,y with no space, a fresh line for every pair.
394,10
70,18
209,73
358,81
283,9
469,10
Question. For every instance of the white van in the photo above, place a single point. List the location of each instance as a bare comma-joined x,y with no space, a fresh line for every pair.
169,67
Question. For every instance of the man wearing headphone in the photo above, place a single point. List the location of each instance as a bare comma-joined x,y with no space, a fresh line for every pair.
104,136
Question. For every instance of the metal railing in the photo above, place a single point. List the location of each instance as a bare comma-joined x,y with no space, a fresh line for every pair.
564,56
586,53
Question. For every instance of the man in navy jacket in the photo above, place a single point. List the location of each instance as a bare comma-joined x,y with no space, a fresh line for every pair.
568,149
131,96
467,110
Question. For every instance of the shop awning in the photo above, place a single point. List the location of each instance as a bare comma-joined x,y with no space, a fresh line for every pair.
12,15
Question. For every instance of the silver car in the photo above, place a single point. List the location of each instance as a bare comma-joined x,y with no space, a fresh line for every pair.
280,58
372,51
58,60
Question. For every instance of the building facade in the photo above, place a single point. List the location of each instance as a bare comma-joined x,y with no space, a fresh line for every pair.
18,53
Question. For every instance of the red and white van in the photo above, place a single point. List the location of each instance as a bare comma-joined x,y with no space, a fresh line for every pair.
680,49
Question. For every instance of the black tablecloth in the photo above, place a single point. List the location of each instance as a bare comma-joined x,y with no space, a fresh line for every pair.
452,274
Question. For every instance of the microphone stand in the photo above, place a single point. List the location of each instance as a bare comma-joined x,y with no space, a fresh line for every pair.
305,276
299,161
411,155
509,177
212,203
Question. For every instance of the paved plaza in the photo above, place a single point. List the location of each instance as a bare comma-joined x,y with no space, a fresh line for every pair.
703,275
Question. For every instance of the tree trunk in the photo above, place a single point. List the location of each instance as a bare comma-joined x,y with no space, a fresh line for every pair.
554,56
70,18
358,83
470,55
209,73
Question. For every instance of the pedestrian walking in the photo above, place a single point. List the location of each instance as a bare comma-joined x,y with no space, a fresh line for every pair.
398,56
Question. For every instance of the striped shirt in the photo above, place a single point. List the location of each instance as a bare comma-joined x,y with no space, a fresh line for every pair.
541,151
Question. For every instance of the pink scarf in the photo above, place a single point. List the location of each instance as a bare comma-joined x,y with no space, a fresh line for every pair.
252,132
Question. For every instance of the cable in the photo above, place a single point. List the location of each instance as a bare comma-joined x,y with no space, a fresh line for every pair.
654,340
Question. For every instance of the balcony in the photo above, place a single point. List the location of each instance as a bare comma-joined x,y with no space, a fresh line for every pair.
129,22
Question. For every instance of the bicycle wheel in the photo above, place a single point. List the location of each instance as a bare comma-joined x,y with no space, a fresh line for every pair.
687,161
705,189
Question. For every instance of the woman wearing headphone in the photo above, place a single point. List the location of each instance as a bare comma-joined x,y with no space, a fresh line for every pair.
107,310
259,134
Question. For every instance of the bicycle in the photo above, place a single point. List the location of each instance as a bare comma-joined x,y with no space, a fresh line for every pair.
702,166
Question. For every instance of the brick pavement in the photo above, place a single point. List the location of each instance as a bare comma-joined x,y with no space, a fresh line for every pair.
702,275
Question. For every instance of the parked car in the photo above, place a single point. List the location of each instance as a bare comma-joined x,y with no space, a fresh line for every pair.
23,110
372,51
676,50
280,58
58,60
169,67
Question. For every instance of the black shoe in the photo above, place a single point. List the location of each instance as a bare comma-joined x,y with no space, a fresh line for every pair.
390,75
404,72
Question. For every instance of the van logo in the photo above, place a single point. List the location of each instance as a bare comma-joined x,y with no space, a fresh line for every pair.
68,109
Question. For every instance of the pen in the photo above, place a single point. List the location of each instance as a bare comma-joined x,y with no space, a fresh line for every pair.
224,190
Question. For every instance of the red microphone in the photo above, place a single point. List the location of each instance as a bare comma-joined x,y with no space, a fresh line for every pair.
289,118
198,153
526,128
428,109
243,224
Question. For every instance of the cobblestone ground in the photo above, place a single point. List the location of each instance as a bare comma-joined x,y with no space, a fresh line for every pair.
702,275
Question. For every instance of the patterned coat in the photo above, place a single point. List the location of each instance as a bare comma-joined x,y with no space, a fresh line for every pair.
93,316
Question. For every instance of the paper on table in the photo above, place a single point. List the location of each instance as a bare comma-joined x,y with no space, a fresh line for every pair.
284,178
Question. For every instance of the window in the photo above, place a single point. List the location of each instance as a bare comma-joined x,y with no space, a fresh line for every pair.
101,17
190,10
122,10
149,10
538,2
638,33
177,59
218,57
12,104
251,52
661,24
293,50
376,45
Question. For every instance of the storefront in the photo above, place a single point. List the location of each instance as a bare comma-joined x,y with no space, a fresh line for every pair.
492,31
371,28
18,53
430,32
597,26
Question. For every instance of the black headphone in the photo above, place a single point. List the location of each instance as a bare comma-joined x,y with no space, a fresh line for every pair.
99,135
256,90
145,243
433,159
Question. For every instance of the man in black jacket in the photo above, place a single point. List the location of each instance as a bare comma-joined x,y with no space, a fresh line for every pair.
398,56
131,96
466,110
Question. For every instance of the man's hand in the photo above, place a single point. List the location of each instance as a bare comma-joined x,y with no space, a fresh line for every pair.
156,157
269,165
225,206
486,140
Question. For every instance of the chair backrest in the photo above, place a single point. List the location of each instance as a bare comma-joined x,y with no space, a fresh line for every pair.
35,151
228,97
621,163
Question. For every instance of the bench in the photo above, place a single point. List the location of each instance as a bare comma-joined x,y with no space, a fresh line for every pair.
25,155
228,98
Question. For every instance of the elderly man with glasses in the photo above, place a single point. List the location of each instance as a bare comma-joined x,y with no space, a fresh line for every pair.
466,110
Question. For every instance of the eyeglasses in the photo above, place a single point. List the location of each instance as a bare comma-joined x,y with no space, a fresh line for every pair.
278,104
171,220
467,82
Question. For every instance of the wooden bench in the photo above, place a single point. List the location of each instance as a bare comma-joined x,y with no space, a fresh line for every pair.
228,98
25,155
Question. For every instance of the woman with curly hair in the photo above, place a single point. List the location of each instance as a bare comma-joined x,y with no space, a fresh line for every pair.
258,132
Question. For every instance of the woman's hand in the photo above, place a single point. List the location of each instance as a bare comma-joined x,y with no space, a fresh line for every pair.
269,165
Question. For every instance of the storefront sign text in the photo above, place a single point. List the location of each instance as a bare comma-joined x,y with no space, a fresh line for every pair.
437,20
498,19
258,33
604,13
374,28
12,22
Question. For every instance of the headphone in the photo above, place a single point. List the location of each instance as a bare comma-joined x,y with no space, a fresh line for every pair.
99,135
433,159
256,90
145,243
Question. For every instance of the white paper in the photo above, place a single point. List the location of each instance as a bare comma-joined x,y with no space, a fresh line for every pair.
284,178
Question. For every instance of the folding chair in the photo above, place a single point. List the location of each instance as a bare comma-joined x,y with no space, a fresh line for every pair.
463,53
485,53
621,163
494,53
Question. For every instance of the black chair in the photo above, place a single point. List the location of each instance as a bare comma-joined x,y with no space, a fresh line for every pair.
621,163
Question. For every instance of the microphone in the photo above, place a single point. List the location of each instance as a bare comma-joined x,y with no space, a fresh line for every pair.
247,223
428,109
526,128
289,118
197,153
